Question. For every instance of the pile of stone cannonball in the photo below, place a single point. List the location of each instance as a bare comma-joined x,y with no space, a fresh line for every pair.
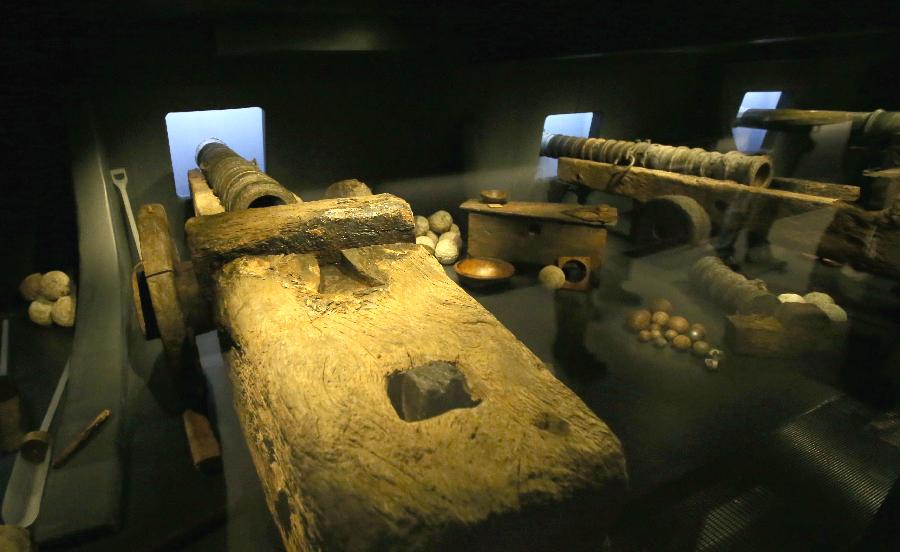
440,236
822,300
658,325
52,298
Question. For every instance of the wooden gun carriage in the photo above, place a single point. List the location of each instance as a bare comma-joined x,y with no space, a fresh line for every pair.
384,408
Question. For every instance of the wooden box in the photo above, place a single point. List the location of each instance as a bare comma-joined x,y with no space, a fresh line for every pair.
538,233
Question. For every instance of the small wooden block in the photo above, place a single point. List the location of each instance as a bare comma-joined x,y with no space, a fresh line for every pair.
204,200
205,451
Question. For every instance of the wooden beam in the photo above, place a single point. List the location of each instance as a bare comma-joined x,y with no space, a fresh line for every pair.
202,197
867,240
599,215
714,195
322,227
844,192
504,458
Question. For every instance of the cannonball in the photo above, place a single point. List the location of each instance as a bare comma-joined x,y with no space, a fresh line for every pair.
791,298
446,252
835,313
421,226
670,334
644,336
681,342
696,332
552,277
451,235
39,312
660,342
455,228
63,311
55,284
660,305
440,222
818,298
427,243
654,326
700,348
656,334
30,288
661,318
637,320
434,237
679,323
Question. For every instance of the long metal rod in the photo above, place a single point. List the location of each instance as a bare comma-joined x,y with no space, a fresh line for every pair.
120,179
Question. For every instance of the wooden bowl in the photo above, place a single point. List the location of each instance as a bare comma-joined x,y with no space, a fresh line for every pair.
482,271
494,196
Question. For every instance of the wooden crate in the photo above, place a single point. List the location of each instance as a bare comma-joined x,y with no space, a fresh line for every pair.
538,233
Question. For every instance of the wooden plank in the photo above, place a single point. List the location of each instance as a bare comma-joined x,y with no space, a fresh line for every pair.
599,215
844,192
204,200
523,240
313,365
323,227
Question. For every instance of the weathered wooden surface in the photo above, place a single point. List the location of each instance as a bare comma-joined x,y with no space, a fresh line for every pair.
867,240
312,353
159,259
720,198
203,199
533,241
595,215
844,192
322,227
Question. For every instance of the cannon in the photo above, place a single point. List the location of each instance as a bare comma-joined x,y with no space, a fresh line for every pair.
384,408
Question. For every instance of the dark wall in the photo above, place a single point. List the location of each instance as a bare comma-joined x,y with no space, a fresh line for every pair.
326,119
435,133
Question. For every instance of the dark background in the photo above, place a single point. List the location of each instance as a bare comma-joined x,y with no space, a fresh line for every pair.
426,100
432,102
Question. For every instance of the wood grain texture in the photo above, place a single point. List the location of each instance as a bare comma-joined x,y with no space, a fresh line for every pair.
523,240
310,353
322,227
844,192
596,215
203,199
721,199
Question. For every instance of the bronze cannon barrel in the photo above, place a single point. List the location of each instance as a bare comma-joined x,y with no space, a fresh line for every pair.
873,124
239,183
753,170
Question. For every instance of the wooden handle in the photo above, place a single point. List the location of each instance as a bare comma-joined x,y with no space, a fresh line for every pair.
82,438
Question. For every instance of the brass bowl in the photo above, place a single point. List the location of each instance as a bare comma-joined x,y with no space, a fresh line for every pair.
494,196
483,271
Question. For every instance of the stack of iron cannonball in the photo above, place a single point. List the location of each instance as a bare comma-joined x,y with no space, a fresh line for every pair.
440,236
657,324
52,298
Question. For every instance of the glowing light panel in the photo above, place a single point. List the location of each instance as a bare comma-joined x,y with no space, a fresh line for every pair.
750,140
243,129
570,124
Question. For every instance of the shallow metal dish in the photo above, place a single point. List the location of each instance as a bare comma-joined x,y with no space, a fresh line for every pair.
481,271
494,196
